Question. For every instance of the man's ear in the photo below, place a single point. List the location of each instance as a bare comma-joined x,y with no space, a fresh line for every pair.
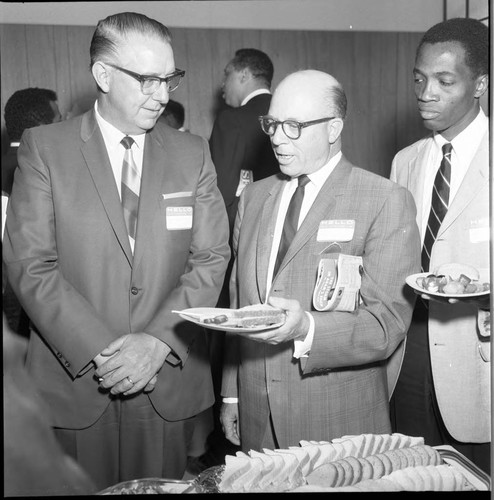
482,85
101,76
335,127
245,75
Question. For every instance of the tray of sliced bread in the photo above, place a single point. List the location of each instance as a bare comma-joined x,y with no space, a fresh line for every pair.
367,462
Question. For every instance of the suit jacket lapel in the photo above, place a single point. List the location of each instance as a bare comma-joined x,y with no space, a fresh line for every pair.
153,171
475,179
94,151
265,238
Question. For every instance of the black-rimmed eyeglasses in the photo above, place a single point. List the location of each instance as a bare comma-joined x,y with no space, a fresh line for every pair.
150,84
291,128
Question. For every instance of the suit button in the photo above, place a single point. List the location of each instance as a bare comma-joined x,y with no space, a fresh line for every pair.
59,354
134,290
67,364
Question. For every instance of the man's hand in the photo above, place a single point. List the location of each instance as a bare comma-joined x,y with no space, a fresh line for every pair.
134,362
230,423
481,302
296,325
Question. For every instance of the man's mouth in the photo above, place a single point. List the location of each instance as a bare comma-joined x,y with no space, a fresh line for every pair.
428,114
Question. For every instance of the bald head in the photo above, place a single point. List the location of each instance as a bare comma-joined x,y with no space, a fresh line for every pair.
308,93
307,96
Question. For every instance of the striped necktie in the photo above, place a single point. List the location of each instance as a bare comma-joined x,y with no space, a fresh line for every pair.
290,225
131,184
439,205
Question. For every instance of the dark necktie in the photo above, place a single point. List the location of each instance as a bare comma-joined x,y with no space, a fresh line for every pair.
439,205
131,184
291,221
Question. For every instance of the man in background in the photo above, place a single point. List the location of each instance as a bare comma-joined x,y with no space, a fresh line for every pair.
24,109
324,373
241,152
443,392
174,115
116,221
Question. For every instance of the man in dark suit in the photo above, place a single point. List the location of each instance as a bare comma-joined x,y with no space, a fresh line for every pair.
100,282
24,109
241,152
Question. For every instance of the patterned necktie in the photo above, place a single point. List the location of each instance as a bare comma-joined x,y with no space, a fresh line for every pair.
290,225
439,205
131,184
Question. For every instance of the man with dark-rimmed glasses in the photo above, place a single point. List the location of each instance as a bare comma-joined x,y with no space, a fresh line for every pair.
323,373
115,221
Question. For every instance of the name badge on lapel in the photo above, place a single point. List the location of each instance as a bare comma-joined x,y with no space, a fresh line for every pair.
336,230
178,218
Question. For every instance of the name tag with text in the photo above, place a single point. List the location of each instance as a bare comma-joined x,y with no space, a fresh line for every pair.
178,218
336,230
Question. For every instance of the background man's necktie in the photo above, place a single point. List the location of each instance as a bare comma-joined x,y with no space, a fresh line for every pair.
131,184
291,221
439,205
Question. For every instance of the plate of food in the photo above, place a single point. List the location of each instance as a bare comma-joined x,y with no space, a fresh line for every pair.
451,280
254,318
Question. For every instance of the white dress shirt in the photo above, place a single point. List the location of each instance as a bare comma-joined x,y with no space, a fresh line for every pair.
253,94
465,145
317,180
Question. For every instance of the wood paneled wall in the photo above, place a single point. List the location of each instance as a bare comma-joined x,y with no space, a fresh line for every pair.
374,68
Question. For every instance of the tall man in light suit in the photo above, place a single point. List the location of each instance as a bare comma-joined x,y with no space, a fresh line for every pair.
443,392
323,373
100,301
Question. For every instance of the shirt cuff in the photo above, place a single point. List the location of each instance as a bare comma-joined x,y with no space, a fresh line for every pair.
302,347
230,400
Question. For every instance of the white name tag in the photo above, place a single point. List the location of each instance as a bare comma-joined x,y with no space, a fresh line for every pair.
336,230
178,218
479,230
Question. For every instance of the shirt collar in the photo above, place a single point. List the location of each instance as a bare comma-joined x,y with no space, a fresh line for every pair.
253,94
469,139
114,136
320,176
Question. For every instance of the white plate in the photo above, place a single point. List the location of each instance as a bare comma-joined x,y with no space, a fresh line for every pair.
197,315
412,282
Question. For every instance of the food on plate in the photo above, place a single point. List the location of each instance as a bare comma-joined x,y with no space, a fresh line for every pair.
453,278
249,316
454,270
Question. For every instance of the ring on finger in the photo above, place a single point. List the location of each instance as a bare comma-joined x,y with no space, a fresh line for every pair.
130,380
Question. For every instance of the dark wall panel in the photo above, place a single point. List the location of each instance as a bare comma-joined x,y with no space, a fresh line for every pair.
374,68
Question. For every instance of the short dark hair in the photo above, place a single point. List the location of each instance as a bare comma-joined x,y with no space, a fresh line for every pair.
28,108
472,34
258,62
175,112
113,29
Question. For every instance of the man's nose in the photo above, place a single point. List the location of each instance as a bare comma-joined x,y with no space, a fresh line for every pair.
162,94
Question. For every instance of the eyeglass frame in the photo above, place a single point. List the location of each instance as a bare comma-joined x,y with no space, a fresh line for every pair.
300,125
142,78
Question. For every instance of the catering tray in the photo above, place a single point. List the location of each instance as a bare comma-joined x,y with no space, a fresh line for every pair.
474,475
152,485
